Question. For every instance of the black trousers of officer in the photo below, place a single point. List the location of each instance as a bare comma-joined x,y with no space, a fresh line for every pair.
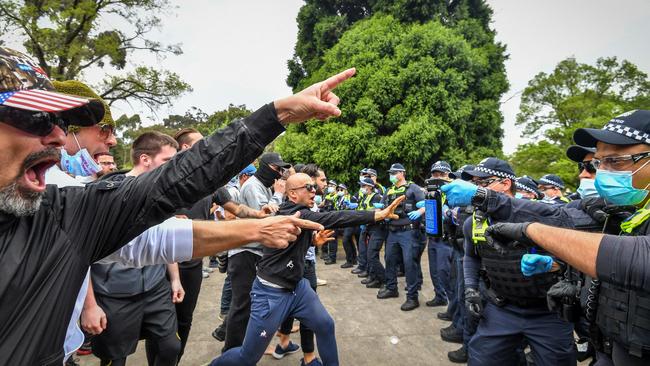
376,236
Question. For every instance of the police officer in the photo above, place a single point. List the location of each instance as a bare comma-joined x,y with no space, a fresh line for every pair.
456,312
527,188
587,171
516,309
328,205
372,235
372,174
440,251
344,202
403,233
552,186
619,262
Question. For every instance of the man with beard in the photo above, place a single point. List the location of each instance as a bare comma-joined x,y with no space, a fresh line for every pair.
49,237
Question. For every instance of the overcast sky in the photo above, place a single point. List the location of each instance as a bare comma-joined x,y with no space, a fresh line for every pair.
236,51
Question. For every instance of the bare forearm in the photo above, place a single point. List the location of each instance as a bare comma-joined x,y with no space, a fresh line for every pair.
90,301
577,248
247,212
211,237
172,271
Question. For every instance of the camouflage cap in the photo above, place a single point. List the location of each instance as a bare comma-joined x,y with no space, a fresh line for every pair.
24,85
79,89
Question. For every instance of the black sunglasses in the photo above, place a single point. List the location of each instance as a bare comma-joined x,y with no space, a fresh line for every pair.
309,187
35,123
587,165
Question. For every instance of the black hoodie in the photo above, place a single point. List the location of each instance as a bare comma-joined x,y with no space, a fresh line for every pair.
285,267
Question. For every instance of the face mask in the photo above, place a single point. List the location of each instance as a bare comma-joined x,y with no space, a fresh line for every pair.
267,175
587,188
318,200
339,193
329,190
79,164
519,195
393,179
617,188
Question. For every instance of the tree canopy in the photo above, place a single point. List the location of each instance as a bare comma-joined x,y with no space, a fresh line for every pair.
423,91
572,96
70,37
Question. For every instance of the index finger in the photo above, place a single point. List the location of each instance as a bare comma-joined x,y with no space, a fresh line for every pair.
334,81
306,224
397,201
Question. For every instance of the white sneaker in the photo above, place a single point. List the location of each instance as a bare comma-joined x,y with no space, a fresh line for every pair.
320,282
205,274
208,269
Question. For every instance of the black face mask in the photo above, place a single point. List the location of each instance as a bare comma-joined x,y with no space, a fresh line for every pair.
266,175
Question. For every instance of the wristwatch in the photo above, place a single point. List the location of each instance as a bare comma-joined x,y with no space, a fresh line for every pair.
479,197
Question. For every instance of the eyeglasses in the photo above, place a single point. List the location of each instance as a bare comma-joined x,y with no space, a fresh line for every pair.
308,187
486,182
587,165
107,163
619,162
35,123
546,188
106,131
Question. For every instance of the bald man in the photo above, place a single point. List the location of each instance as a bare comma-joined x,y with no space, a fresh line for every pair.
280,291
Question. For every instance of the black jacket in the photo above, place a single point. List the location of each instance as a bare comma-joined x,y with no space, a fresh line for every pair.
44,258
285,267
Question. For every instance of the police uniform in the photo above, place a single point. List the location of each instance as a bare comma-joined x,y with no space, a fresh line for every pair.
405,235
555,181
440,253
622,313
516,309
373,235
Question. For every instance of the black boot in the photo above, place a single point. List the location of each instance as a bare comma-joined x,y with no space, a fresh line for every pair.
458,356
374,284
410,304
386,293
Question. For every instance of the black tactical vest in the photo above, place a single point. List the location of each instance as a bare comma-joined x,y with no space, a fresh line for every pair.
623,314
503,270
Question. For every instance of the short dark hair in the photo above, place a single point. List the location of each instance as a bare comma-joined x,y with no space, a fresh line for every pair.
183,135
311,170
150,143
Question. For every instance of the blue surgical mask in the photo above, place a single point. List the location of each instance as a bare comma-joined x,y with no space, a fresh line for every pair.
318,200
617,188
329,190
393,179
519,195
80,164
587,188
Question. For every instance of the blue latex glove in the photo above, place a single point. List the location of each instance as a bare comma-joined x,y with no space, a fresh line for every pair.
420,204
378,205
459,193
352,205
532,264
414,215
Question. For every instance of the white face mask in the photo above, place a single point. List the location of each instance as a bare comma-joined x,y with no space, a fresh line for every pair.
80,164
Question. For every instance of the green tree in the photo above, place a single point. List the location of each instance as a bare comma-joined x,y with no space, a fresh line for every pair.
69,37
422,92
321,23
573,96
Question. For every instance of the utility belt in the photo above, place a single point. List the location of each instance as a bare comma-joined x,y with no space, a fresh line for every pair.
524,303
407,227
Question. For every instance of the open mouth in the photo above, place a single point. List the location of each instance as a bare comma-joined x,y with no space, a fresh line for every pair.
34,176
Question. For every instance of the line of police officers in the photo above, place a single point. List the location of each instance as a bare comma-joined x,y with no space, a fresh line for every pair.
506,294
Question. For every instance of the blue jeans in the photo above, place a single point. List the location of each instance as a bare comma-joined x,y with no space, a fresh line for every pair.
409,243
502,330
439,266
269,308
226,295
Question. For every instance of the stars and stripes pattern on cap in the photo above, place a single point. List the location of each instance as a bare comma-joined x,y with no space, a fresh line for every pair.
628,131
495,173
41,100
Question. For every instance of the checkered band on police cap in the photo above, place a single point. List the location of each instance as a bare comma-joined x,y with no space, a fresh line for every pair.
524,187
441,166
628,131
495,173
552,180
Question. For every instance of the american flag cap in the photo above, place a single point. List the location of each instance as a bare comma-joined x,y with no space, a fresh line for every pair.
25,85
